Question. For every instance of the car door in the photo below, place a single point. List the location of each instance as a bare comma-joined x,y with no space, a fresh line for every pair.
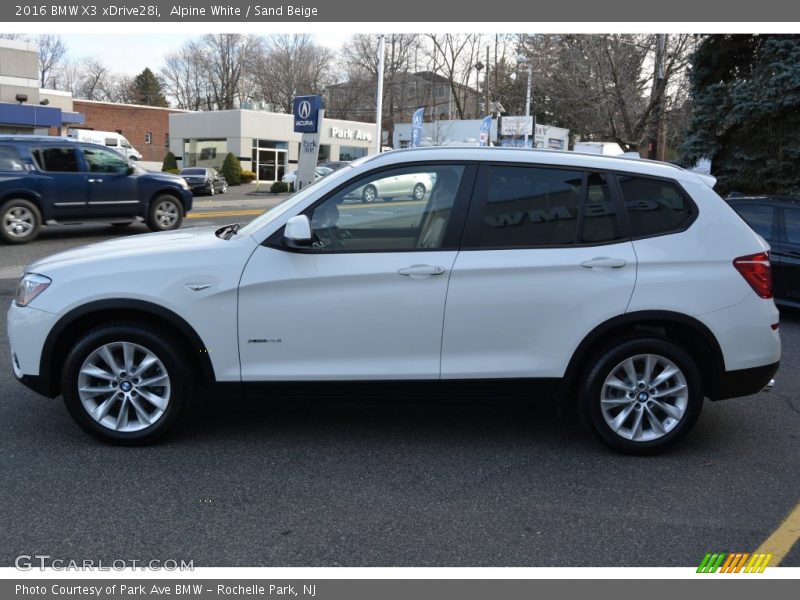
543,262
65,190
113,186
366,300
786,270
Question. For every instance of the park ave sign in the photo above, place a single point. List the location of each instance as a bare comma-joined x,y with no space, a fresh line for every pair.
351,134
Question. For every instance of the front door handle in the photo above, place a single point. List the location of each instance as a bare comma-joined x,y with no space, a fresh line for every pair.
604,262
95,181
420,271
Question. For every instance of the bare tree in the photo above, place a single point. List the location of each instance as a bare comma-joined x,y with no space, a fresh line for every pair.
93,80
185,80
454,56
52,51
291,65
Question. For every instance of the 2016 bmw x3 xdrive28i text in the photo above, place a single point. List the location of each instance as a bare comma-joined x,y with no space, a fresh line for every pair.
59,180
627,285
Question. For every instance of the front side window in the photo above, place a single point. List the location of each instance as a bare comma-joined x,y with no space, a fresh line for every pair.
654,206
399,209
104,161
56,160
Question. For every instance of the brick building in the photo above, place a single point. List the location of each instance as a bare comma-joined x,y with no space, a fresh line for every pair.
145,127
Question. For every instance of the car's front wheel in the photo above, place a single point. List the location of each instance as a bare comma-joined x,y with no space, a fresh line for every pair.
126,383
166,213
20,221
641,395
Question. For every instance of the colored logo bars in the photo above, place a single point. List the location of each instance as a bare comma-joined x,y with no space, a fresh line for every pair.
737,562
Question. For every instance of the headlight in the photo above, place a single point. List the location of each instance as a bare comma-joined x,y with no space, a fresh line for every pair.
30,286
183,184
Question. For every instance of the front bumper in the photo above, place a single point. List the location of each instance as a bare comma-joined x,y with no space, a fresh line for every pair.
28,329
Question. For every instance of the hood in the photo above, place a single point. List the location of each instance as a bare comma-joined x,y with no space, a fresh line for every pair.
142,247
166,177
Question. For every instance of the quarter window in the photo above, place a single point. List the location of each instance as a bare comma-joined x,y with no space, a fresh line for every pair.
9,159
654,207
56,160
399,209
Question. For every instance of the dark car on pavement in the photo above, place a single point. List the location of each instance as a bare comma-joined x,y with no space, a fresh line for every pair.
54,180
777,220
204,180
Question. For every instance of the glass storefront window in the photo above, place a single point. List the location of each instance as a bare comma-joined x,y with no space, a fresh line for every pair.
351,152
204,153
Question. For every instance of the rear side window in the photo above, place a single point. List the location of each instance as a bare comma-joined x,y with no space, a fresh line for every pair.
538,206
9,159
791,217
655,207
759,217
60,160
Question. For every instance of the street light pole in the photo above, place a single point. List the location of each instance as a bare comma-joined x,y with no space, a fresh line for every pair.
379,99
528,107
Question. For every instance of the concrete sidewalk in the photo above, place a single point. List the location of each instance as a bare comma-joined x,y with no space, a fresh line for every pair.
233,200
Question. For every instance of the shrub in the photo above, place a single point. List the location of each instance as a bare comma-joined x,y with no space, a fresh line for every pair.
170,163
174,171
248,176
232,169
279,187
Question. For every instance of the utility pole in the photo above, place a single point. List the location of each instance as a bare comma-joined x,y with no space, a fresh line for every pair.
486,80
658,150
528,106
379,99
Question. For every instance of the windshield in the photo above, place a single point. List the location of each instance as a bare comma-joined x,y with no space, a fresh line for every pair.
291,202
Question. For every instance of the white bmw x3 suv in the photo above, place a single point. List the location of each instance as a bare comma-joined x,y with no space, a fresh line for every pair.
628,287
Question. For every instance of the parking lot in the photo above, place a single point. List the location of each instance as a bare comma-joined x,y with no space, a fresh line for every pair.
376,484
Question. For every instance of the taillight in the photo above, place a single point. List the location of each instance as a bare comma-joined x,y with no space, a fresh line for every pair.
756,271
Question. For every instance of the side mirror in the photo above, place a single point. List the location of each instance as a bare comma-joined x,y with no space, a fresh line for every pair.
297,233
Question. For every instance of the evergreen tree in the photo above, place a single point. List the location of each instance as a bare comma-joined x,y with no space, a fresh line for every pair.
746,95
232,169
170,162
148,89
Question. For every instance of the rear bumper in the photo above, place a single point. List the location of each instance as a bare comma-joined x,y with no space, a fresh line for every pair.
742,382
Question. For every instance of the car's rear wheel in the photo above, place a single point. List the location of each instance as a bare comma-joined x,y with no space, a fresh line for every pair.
126,383
211,190
20,221
369,194
166,213
641,395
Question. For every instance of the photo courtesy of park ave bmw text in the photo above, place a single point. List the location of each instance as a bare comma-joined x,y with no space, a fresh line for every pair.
349,299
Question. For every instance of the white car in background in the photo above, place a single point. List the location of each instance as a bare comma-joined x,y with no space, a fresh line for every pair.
408,185
319,173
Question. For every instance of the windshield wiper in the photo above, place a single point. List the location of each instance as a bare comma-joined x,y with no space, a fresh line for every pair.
228,231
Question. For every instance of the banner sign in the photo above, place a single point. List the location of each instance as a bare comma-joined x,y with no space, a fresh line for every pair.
485,132
416,127
308,114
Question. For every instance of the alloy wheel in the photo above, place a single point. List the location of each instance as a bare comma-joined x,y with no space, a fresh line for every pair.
19,221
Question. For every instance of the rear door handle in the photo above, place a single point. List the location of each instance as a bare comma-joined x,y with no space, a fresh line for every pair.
95,181
604,262
420,271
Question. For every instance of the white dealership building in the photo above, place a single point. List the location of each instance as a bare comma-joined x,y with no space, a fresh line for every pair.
263,141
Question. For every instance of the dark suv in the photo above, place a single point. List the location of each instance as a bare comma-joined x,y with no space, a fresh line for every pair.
58,180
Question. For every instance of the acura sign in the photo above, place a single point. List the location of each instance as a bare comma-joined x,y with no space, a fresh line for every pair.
306,114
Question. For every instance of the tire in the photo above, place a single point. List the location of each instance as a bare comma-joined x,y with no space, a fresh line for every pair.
611,404
419,192
20,221
370,194
211,190
166,213
150,411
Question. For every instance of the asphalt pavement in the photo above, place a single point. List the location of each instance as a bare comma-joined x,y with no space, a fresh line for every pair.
325,483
